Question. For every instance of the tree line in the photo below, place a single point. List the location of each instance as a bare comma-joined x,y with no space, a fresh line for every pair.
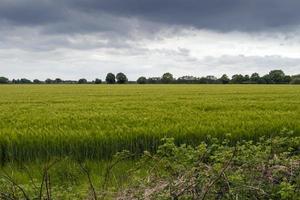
273,77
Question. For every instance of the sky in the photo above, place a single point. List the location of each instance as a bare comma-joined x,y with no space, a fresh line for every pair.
74,39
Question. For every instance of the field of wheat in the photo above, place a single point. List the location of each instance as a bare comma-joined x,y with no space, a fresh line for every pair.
95,121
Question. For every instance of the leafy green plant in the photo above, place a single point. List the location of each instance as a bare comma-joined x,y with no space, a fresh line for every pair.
267,169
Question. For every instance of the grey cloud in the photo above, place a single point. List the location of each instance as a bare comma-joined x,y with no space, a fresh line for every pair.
51,23
214,14
87,15
31,12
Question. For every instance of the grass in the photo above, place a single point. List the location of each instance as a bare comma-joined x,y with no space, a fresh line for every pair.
95,121
68,180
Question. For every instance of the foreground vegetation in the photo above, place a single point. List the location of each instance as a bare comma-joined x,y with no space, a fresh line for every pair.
95,122
268,168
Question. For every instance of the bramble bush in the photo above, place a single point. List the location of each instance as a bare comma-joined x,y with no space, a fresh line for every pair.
215,169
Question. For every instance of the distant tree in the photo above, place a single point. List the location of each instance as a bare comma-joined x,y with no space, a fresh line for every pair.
121,78
141,80
25,81
203,80
210,79
82,81
37,81
98,81
296,76
237,78
295,80
167,78
4,80
287,79
255,77
70,82
277,76
187,79
266,79
110,78
58,80
224,79
49,81
154,80
246,78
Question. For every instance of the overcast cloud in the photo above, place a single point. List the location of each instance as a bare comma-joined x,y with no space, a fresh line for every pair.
88,38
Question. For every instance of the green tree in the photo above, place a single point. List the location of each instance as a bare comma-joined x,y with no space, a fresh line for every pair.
277,76
98,81
246,78
82,81
121,78
4,80
296,76
237,78
141,80
295,80
266,79
110,78
37,81
49,81
287,79
58,80
167,78
255,77
25,81
224,79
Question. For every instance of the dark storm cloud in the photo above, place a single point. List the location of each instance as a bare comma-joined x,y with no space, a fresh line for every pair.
208,14
103,15
31,12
